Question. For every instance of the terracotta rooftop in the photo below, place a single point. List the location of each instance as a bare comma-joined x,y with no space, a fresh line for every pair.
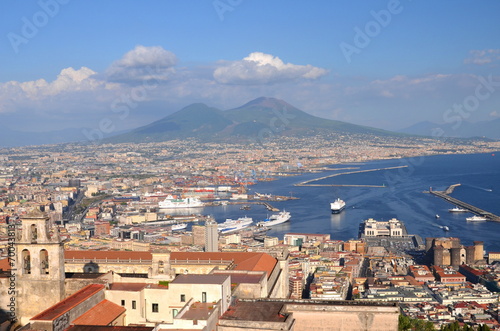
110,255
4,264
243,260
103,313
69,303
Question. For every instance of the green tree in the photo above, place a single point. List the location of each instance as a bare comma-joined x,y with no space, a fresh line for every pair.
404,323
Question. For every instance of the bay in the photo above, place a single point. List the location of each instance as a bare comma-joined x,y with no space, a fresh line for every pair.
400,196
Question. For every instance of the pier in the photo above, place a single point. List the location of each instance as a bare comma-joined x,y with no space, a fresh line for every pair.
308,182
473,209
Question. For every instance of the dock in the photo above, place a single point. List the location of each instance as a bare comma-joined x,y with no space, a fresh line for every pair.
473,209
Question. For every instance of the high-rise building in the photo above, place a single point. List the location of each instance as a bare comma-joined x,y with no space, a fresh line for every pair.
211,237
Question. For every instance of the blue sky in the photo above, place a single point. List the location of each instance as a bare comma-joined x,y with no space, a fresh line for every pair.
69,63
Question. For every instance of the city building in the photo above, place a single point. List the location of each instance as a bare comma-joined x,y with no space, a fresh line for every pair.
211,237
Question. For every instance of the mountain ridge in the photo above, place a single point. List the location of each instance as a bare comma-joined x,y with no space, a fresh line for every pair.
255,119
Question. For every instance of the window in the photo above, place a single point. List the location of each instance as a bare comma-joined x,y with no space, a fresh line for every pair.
44,262
203,296
26,262
123,302
133,305
183,298
155,308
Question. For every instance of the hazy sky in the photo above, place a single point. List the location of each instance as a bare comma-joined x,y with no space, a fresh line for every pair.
387,64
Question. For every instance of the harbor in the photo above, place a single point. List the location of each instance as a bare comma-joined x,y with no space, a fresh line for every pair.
473,209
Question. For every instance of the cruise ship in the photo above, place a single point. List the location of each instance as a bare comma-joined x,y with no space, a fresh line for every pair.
337,206
171,202
276,219
234,225
476,218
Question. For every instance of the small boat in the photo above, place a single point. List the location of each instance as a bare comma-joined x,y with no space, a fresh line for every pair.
445,228
476,218
245,207
437,216
457,209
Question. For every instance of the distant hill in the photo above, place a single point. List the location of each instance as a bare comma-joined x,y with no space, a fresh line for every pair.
13,138
261,117
484,129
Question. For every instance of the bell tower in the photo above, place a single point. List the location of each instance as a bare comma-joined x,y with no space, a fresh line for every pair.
39,266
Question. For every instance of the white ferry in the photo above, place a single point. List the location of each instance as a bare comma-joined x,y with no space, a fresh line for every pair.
337,206
476,218
179,226
234,225
276,219
171,202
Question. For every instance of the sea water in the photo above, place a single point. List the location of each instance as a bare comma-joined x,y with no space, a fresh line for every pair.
389,193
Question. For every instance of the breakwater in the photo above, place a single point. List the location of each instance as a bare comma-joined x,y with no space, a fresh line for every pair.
473,209
308,182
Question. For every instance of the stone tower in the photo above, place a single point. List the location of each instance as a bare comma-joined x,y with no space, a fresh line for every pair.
39,266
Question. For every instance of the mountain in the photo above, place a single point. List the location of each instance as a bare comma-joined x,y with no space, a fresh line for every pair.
259,118
196,120
464,129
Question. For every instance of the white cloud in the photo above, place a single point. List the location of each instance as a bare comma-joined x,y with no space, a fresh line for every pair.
261,68
143,63
68,80
481,57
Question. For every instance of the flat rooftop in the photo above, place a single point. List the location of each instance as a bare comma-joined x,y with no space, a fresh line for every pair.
244,278
108,328
133,287
255,311
199,311
199,279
